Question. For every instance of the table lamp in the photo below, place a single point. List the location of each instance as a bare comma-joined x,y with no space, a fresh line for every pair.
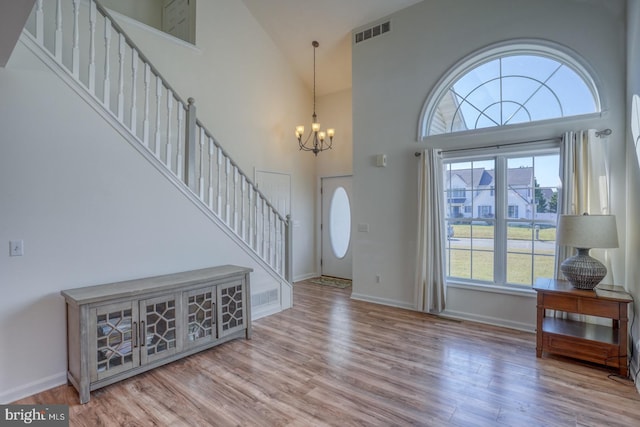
585,232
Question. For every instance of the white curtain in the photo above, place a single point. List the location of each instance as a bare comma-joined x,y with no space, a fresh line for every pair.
584,171
430,267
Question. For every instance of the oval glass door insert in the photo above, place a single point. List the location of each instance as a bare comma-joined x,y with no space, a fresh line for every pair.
340,222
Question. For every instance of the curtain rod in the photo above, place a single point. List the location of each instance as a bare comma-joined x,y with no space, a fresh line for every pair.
599,134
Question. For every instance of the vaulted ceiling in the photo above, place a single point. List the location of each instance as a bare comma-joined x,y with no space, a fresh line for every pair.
294,24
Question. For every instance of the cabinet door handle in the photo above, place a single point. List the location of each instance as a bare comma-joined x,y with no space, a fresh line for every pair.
135,334
143,337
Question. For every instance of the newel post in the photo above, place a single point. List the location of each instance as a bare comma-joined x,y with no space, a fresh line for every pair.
288,252
190,145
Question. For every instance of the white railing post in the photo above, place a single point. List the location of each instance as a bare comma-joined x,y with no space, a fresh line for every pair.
58,35
190,145
219,199
211,166
145,121
179,132
39,23
269,237
121,48
134,92
234,208
250,218
169,147
243,196
106,84
201,169
75,52
92,47
288,253
158,115
227,190
263,249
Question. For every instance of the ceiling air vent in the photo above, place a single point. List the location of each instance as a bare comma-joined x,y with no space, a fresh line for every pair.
374,31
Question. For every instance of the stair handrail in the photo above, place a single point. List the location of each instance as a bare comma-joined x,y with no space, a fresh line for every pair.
277,257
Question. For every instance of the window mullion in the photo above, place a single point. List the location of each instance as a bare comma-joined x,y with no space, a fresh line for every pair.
500,255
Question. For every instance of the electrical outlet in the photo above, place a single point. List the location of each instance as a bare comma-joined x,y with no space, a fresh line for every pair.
16,248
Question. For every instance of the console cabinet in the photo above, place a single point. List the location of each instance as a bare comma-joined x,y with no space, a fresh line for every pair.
603,344
118,330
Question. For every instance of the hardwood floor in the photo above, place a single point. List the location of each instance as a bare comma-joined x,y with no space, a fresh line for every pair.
333,361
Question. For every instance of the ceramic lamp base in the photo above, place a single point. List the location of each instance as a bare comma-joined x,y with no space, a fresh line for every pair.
583,271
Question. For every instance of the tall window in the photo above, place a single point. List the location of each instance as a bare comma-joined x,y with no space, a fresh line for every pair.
511,238
502,232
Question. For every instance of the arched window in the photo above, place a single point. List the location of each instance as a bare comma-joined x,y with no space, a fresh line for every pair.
506,85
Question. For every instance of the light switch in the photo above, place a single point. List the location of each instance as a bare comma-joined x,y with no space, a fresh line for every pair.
363,228
16,248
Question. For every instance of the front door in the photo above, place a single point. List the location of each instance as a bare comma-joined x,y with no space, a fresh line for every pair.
336,227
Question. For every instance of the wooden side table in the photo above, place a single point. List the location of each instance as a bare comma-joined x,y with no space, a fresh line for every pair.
606,345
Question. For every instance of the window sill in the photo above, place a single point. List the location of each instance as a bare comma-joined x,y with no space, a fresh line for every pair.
506,290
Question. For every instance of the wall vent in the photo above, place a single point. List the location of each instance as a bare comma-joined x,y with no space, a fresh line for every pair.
264,298
374,31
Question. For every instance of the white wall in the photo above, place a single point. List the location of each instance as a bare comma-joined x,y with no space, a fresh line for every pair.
91,210
393,75
334,111
632,278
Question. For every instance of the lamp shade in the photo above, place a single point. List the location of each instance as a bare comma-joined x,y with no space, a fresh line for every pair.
587,231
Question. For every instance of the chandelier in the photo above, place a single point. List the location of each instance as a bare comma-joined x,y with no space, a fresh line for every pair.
316,140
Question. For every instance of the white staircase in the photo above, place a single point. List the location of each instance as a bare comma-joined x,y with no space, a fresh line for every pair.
81,42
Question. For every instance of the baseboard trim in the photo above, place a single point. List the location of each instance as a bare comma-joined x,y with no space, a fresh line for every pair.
302,277
382,301
488,320
265,310
32,388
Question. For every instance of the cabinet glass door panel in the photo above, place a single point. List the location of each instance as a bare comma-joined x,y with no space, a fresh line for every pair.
114,329
200,316
231,309
160,336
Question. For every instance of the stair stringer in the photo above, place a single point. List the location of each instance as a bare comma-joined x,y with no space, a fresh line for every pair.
285,290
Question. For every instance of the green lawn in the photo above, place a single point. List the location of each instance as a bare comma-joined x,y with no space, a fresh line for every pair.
478,264
515,233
